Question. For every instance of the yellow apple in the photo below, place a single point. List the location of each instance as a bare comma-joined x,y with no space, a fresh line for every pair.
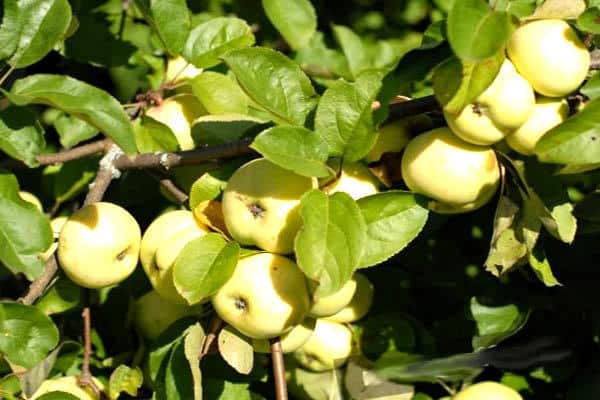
354,179
329,347
152,314
329,305
457,175
550,56
162,242
501,108
67,384
99,245
265,297
178,113
32,199
179,70
290,341
394,136
260,205
487,391
359,305
547,114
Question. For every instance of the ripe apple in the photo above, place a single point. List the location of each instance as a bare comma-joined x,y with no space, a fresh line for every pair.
549,54
394,136
260,205
178,113
162,242
329,347
354,179
359,305
67,384
329,305
290,341
179,70
458,176
547,114
99,245
265,297
488,391
501,108
32,199
152,314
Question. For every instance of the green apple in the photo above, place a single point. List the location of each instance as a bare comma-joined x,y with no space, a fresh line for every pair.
458,176
547,114
152,314
265,297
354,179
162,242
488,391
549,54
99,245
178,113
32,199
67,384
359,305
329,347
260,205
394,136
501,108
179,70
329,305
290,341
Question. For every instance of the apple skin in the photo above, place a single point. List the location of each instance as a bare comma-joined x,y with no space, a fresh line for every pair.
179,70
260,205
501,108
32,199
178,113
547,114
152,314
359,305
458,176
99,245
162,242
67,384
488,391
549,54
329,305
290,341
265,297
355,179
328,348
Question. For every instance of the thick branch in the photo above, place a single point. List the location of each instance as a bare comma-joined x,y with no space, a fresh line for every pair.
413,107
38,286
278,369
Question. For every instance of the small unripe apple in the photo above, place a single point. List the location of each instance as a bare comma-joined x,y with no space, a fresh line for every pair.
56,224
67,384
547,114
260,205
359,305
265,297
99,245
32,199
355,179
290,341
457,175
179,70
549,54
329,305
488,391
501,108
329,347
392,138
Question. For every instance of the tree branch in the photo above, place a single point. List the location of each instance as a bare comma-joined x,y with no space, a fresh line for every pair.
169,186
278,369
216,324
38,286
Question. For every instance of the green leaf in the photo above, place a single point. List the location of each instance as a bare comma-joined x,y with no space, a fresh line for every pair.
160,349
203,266
172,20
320,61
93,105
21,135
209,41
296,20
124,379
26,335
294,148
73,131
192,347
72,178
355,51
57,396
219,94
496,323
541,266
31,380
589,21
10,28
344,117
475,31
559,9
330,244
43,24
236,350
178,380
363,383
221,129
574,142
154,136
393,220
24,231
210,185
63,296
274,82
592,87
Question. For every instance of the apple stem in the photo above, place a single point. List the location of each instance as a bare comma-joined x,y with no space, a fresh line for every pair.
85,379
278,369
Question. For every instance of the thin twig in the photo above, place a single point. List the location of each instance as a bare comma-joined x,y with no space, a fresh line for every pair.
278,369
170,186
124,7
38,286
216,324
85,379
